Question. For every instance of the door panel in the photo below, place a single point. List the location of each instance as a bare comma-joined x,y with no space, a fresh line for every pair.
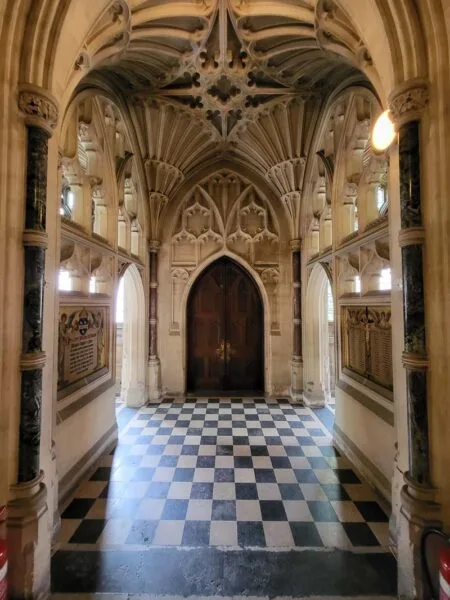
206,330
225,331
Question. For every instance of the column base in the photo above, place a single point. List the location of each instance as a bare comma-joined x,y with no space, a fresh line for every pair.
154,380
135,397
296,389
314,399
419,510
29,541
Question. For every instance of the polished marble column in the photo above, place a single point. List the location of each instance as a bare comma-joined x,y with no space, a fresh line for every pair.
153,359
29,552
419,508
297,351
406,107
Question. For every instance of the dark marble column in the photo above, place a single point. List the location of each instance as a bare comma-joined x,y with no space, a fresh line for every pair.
154,392
297,301
406,108
40,117
297,351
153,299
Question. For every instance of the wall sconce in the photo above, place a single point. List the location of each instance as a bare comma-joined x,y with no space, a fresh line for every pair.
383,133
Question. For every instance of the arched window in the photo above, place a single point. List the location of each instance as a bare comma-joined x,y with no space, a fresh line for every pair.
330,304
119,305
67,202
385,280
64,281
382,199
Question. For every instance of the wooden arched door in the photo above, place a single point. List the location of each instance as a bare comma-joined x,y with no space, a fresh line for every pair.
225,331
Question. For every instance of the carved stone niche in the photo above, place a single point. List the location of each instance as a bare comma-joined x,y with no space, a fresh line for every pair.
197,232
253,230
270,278
179,279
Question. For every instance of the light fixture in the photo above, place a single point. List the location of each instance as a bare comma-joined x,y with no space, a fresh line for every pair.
383,132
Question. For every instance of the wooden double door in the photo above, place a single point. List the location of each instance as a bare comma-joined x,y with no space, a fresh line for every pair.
225,331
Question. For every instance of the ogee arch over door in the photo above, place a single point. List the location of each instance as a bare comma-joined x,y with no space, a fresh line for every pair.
225,331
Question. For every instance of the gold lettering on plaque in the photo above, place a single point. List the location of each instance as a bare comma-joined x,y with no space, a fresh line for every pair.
367,343
81,343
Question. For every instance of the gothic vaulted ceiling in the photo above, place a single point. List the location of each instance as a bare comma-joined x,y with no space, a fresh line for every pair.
241,78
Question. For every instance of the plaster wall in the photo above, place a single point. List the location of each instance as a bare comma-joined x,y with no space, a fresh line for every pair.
372,436
79,434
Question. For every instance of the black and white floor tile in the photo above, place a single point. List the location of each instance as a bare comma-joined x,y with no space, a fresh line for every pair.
224,473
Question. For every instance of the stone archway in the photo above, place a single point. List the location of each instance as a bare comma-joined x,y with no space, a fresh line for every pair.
316,346
225,331
133,389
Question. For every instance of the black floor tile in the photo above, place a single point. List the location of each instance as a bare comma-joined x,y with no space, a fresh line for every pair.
372,512
290,491
183,474
224,450
243,462
346,476
259,451
224,475
305,476
175,510
88,531
101,474
208,440
190,450
272,510
202,491
322,512
224,510
240,440
196,533
251,534
78,508
246,491
265,476
360,534
294,451
306,534
206,462
281,462
335,491
273,440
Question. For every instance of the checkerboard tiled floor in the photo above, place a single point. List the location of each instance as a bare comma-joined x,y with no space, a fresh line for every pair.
233,473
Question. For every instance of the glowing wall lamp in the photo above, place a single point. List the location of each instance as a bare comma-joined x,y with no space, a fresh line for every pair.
383,132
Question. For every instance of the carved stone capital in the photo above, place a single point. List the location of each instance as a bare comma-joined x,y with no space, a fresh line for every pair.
296,245
408,101
154,245
39,108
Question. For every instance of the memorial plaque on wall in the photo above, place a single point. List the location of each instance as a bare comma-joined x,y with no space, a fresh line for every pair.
367,343
83,338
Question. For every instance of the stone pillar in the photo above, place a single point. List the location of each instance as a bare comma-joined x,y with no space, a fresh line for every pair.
418,496
29,557
297,352
153,360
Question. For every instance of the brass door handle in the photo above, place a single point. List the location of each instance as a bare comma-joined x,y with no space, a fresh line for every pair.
220,350
230,351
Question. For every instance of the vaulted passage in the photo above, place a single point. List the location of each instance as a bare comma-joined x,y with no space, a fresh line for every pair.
224,351
225,331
